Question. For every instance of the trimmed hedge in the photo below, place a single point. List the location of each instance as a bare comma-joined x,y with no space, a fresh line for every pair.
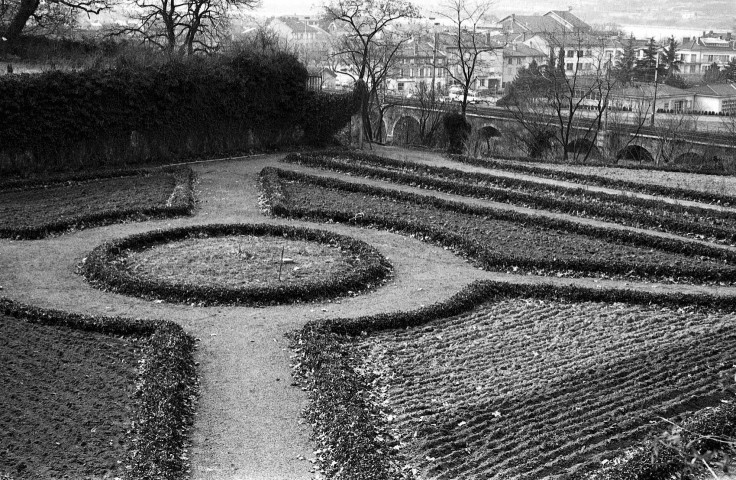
601,181
466,184
166,389
478,252
181,203
102,270
339,388
184,108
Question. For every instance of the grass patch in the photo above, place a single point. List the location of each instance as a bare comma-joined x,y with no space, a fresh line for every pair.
38,208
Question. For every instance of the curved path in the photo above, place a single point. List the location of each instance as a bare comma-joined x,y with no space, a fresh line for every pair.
248,423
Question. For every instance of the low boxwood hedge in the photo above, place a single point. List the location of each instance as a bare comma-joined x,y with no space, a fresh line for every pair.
651,189
102,270
575,201
339,386
181,202
166,388
478,252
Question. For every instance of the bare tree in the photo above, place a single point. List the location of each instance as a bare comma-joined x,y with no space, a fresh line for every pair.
182,27
575,92
433,105
15,15
470,45
367,47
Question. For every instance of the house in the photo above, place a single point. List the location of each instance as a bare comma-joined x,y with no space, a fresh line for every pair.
640,98
552,22
309,42
414,63
697,54
517,56
718,98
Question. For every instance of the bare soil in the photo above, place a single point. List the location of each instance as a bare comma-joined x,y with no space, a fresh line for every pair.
66,402
239,261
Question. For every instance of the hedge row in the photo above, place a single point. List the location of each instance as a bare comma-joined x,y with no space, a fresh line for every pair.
102,268
181,203
464,183
716,169
166,387
497,259
339,389
184,108
650,189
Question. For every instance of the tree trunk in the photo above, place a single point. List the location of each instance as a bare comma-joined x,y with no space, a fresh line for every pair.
15,28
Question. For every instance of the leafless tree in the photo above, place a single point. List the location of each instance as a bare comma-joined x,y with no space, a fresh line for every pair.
182,27
16,15
470,46
367,47
432,108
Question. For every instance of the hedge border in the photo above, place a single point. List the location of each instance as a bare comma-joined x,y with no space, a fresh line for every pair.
167,386
339,389
500,194
181,203
601,181
481,255
100,270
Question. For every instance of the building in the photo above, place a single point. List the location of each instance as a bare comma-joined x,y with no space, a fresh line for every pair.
517,56
553,22
309,42
719,98
697,54
413,65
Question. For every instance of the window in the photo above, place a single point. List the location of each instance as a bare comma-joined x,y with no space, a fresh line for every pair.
510,61
482,82
568,66
588,53
580,53
401,74
570,53
518,61
400,87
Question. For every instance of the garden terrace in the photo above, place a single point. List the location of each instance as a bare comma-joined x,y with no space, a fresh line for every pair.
633,211
499,240
708,190
93,396
36,208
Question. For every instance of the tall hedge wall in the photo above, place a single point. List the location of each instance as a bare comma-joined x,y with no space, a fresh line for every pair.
204,106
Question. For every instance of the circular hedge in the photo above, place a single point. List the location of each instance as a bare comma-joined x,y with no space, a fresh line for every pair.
105,268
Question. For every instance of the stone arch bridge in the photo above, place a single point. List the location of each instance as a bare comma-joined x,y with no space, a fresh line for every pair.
626,141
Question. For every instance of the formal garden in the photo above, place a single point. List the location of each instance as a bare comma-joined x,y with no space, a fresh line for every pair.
201,284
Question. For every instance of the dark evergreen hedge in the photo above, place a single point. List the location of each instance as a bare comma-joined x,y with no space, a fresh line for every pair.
167,386
198,107
101,268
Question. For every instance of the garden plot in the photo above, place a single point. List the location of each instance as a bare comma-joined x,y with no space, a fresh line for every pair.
501,241
524,388
623,209
34,210
67,401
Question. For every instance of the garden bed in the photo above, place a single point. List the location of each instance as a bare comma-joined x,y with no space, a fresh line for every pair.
94,396
34,209
500,240
236,264
628,210
557,379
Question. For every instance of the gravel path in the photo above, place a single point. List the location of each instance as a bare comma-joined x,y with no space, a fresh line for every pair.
248,424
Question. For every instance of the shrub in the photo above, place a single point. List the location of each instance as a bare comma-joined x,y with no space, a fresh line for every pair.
458,130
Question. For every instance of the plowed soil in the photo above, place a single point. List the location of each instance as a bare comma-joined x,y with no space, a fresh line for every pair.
526,388
66,401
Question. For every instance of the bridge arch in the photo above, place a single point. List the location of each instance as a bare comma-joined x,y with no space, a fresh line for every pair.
405,130
489,131
636,153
